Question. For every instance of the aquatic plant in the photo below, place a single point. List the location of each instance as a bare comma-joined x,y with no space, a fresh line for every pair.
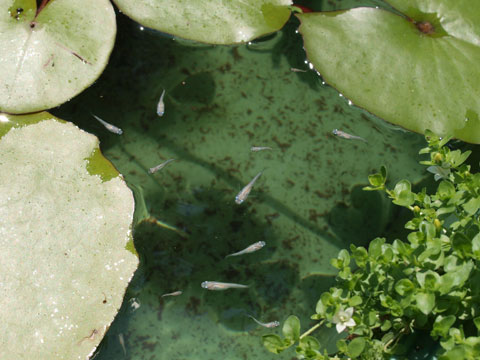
62,46
389,293
66,244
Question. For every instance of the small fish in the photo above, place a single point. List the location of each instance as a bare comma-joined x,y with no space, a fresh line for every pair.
243,194
267,325
109,127
297,70
344,135
134,303
161,105
154,169
250,249
175,293
121,340
215,285
259,148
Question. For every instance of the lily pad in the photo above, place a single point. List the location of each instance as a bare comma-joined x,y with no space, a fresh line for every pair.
418,70
66,252
51,55
210,21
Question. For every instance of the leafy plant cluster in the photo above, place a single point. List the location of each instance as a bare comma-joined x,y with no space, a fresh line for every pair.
391,291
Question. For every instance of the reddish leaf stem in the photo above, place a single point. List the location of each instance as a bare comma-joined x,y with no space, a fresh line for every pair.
42,5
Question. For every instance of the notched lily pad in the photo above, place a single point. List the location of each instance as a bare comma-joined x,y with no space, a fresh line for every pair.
419,70
51,55
66,254
210,21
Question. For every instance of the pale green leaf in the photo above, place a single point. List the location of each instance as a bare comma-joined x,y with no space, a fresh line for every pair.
210,21
406,72
65,239
50,57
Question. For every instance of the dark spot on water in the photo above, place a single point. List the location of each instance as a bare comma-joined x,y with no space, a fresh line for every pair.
149,345
236,226
192,306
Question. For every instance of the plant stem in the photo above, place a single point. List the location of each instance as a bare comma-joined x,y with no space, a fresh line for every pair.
312,329
41,6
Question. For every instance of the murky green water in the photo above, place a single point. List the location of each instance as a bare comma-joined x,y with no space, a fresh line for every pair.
307,205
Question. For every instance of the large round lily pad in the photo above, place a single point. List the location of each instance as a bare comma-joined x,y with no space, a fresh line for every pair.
52,55
419,71
210,21
66,253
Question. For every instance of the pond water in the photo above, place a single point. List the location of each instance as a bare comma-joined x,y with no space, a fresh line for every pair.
307,205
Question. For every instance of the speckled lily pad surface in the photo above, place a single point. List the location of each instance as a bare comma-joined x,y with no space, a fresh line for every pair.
307,205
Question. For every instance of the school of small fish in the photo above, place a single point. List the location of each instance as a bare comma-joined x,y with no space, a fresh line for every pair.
239,199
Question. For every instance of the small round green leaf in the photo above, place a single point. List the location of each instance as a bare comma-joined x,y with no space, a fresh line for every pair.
50,56
273,343
210,21
442,324
425,302
291,328
356,347
404,286
419,71
66,252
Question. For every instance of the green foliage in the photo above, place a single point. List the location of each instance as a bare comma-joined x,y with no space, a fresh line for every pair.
210,21
367,41
53,52
390,291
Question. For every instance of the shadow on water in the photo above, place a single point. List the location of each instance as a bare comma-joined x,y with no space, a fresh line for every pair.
170,263
363,219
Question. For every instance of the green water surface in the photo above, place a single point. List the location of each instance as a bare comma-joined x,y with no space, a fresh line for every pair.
307,205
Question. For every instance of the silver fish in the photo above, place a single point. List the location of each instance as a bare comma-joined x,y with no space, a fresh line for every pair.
243,194
154,169
215,285
344,135
121,340
175,293
267,325
259,148
109,127
297,70
254,247
161,105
